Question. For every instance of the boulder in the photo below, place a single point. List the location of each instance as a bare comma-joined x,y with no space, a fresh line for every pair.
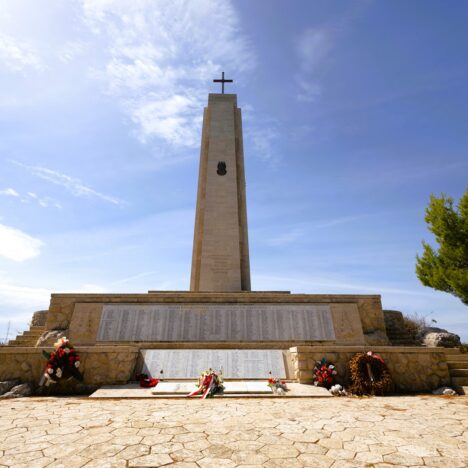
7,385
39,318
18,391
445,391
433,337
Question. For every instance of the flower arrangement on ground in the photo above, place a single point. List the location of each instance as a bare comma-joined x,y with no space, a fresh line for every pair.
147,382
209,384
277,385
369,374
324,373
63,363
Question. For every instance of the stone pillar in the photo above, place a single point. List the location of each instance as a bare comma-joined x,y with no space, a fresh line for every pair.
220,260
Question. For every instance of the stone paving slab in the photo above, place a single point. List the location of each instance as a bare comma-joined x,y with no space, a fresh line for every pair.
234,389
281,432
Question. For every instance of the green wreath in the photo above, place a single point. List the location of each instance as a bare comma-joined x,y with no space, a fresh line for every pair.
369,375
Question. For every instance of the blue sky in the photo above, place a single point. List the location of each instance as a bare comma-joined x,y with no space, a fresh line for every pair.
354,113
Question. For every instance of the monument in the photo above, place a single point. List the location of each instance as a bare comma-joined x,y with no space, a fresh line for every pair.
220,322
220,259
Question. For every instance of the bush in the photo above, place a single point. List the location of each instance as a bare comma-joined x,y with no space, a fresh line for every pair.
414,323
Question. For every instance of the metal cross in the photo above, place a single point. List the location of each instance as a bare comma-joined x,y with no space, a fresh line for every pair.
222,81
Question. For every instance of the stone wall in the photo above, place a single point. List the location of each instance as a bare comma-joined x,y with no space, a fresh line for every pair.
413,369
102,365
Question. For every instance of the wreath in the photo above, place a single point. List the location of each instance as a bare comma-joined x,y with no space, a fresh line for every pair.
209,384
63,363
369,374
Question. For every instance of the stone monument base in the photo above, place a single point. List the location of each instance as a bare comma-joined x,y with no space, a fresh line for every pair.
112,333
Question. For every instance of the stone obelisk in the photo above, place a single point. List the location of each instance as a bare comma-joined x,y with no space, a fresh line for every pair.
220,260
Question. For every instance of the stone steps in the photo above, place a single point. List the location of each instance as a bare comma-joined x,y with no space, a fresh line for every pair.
33,333
458,368
460,381
457,357
28,337
459,372
457,364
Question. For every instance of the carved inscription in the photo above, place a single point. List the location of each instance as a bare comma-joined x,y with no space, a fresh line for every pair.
234,363
216,322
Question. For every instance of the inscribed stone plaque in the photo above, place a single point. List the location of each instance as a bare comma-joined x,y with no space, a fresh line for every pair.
234,363
184,388
216,322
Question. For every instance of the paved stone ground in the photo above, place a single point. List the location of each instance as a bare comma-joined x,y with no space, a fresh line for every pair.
312,432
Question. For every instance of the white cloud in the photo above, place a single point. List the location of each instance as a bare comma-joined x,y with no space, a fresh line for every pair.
286,238
312,48
44,202
9,192
161,58
138,276
18,246
23,296
16,55
264,140
72,184
72,49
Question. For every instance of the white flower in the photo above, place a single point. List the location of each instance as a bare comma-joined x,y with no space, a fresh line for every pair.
66,350
59,372
50,370
77,364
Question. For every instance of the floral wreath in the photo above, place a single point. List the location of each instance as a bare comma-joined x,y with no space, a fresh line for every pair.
209,384
369,374
63,363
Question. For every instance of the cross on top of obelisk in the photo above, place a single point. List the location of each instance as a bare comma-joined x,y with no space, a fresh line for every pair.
222,81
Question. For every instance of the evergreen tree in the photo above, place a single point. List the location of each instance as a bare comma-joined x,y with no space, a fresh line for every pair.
446,269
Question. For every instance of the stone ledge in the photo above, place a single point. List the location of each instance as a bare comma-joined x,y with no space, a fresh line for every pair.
86,349
382,349
225,296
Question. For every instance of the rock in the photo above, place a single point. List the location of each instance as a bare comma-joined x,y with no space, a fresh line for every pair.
7,385
338,390
39,318
433,337
444,391
18,391
49,337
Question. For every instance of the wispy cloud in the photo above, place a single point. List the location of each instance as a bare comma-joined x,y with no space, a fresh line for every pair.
17,55
71,184
44,202
135,277
297,231
160,59
286,238
9,192
312,47
72,49
18,246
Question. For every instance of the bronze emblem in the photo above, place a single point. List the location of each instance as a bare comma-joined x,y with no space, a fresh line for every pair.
221,168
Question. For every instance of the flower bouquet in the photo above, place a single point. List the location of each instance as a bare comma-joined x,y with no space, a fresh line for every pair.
209,384
63,363
323,373
277,385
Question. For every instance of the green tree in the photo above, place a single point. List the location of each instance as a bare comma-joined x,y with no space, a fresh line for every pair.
446,269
